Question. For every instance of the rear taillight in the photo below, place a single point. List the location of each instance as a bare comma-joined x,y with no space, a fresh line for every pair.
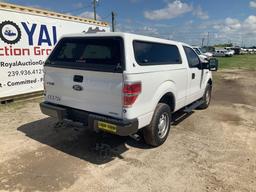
131,92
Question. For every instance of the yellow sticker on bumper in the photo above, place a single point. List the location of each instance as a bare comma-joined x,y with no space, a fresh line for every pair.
107,126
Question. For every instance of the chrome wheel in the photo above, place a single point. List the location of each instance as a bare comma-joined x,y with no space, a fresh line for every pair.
163,125
208,96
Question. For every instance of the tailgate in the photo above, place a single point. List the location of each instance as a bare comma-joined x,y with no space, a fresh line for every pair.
99,92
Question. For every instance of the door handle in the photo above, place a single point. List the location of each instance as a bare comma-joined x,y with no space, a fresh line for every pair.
193,75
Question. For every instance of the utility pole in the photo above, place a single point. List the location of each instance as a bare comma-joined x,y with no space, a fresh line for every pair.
95,2
113,20
203,42
208,38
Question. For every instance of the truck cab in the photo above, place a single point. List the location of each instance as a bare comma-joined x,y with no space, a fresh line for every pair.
121,82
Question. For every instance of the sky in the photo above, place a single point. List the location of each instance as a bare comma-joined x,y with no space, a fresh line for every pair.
191,21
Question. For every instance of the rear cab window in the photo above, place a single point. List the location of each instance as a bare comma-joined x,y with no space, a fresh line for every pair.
89,53
151,53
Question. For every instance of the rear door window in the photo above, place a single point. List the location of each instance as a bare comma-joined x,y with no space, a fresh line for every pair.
100,54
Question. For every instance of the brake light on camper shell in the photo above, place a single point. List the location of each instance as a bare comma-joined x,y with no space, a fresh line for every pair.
131,91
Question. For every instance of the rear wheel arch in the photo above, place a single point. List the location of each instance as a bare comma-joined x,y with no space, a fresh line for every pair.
166,93
169,99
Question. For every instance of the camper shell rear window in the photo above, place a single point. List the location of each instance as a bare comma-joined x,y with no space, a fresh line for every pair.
89,53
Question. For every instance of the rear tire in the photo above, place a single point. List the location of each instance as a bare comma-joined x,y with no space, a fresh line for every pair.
207,97
157,132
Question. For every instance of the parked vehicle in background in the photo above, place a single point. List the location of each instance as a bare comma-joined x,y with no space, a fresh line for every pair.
120,83
208,49
208,54
237,50
202,57
251,51
243,51
201,51
230,51
222,53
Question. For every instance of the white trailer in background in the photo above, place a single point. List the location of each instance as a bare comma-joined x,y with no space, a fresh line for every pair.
27,36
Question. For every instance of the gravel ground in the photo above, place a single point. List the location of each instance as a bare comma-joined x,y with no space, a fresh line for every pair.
207,150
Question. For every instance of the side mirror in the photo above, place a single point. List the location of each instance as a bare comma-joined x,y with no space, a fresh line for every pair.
213,64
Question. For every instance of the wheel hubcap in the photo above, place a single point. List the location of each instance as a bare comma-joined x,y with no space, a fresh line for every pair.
163,125
207,97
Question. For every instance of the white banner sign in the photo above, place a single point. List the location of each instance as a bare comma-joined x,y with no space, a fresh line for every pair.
25,42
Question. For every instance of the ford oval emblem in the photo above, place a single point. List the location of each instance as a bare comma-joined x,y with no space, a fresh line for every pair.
77,88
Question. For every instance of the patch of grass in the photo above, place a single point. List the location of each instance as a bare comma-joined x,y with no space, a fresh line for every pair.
238,62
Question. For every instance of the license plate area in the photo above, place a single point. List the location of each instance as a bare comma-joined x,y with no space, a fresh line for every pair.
106,126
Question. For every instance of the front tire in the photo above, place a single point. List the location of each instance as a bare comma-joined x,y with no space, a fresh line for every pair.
207,97
157,132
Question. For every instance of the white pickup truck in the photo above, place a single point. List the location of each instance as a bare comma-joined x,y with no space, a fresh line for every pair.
120,83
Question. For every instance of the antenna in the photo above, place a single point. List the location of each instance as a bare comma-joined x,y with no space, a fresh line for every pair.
95,3
113,20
